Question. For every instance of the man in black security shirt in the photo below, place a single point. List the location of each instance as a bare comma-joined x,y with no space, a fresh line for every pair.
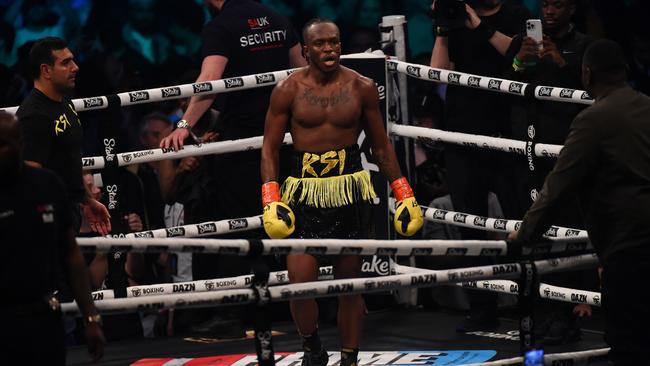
604,163
37,238
52,129
478,48
244,38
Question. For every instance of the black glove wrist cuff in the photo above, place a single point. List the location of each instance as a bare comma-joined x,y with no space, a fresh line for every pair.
484,31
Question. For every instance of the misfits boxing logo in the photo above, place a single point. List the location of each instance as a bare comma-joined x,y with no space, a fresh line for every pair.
474,81
264,79
234,83
139,96
453,78
93,103
494,84
202,87
515,88
585,96
170,92
413,71
391,66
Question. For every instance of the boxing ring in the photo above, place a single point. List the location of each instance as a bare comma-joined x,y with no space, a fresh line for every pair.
517,272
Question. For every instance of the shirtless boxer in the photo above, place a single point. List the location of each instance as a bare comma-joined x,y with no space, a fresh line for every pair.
325,106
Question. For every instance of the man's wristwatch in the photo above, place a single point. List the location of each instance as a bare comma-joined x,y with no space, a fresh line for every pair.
184,124
93,319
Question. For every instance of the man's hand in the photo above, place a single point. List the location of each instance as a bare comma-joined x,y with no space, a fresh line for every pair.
187,165
175,139
529,50
95,341
513,236
551,52
97,216
582,310
134,222
472,20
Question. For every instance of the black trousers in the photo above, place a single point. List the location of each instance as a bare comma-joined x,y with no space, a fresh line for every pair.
625,302
471,174
36,338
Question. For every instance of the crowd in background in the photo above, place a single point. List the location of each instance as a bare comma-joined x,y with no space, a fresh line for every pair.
127,45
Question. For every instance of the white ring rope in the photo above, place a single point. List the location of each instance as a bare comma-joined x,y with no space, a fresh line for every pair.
146,156
177,91
478,141
457,218
217,284
318,246
556,359
423,278
201,229
182,91
546,291
512,87
296,246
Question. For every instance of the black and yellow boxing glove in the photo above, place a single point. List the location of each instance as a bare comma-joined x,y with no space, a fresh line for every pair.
279,220
408,215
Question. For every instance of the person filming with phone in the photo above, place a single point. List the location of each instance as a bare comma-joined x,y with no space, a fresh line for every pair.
550,53
473,37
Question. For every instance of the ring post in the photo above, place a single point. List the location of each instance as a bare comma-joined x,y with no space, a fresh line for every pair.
262,314
528,292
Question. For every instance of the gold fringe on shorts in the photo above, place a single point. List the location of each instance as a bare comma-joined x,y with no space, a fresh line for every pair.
329,192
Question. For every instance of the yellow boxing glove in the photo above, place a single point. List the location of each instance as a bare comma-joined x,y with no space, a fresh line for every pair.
279,220
408,215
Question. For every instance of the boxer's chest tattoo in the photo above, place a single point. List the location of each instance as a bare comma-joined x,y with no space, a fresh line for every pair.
335,98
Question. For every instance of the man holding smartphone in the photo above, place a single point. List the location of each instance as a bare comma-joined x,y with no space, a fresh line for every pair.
478,46
556,61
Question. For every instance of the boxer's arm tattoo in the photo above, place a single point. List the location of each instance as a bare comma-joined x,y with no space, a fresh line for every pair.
334,99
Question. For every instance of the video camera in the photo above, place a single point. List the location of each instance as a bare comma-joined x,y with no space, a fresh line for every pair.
449,14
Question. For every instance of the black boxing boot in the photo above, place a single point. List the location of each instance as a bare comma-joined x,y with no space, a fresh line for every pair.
349,356
314,354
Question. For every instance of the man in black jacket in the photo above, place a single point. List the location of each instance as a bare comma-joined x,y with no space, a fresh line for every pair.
605,163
